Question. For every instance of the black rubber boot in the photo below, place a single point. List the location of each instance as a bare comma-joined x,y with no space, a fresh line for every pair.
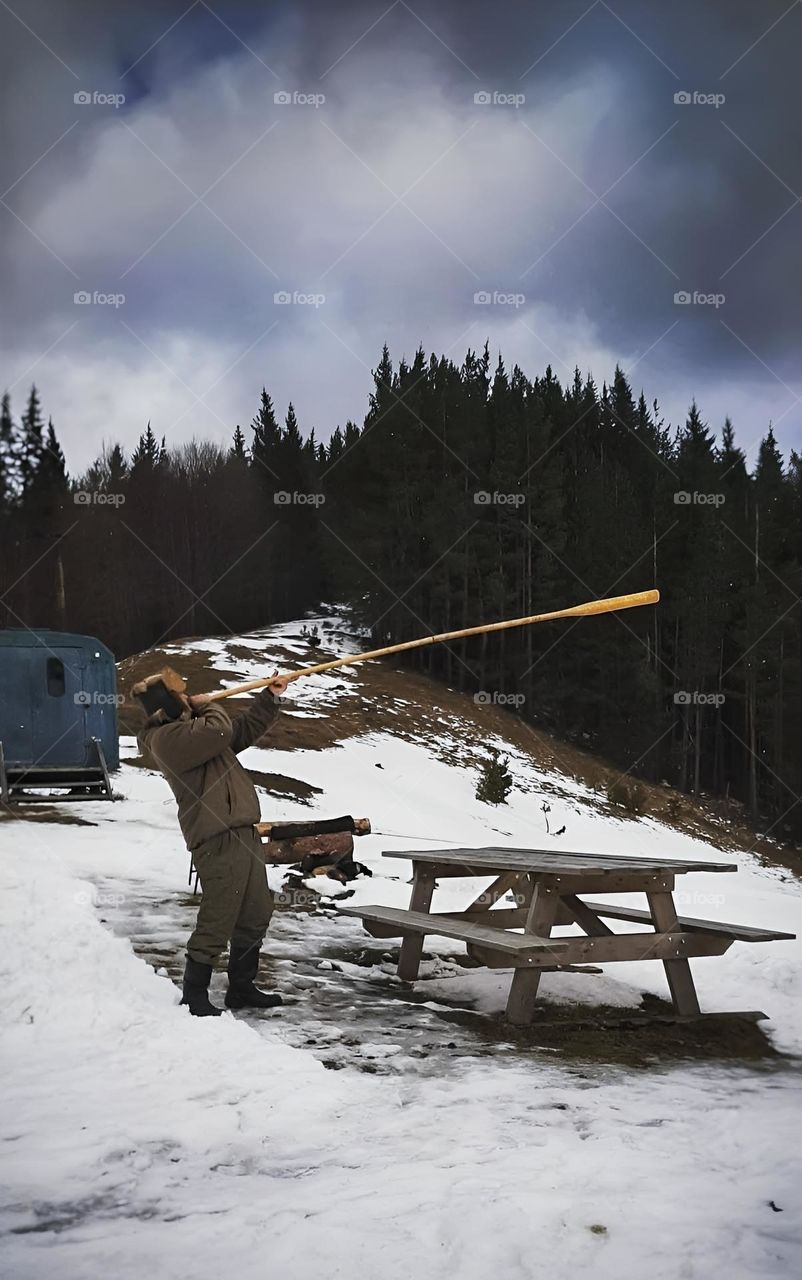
196,990
243,966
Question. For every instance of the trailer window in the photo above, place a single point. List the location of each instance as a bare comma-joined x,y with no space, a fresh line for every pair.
55,677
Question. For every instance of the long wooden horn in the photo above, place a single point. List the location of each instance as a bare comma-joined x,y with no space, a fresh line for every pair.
610,605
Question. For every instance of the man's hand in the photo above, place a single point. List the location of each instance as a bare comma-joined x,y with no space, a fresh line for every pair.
278,685
198,701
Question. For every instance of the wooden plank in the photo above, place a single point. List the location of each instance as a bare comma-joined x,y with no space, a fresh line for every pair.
618,947
574,881
412,946
499,917
405,922
637,1019
610,882
559,855
584,915
740,932
678,972
500,886
548,861
522,995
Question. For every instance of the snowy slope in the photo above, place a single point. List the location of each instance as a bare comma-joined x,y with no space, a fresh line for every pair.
137,1139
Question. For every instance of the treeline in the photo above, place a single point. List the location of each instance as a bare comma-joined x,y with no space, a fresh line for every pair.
466,495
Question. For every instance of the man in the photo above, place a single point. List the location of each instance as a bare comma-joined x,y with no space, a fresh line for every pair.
194,742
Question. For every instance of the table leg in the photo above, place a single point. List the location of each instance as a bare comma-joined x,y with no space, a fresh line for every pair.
491,895
678,972
412,946
525,982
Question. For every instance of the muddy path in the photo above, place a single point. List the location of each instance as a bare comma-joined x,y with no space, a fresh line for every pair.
345,1004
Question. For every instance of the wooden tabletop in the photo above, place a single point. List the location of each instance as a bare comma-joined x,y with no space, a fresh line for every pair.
550,860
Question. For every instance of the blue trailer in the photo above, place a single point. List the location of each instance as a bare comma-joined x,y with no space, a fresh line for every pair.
58,715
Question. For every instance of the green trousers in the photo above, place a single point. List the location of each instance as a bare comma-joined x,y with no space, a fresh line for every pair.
237,903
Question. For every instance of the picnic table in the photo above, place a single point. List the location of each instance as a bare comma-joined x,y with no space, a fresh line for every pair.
548,890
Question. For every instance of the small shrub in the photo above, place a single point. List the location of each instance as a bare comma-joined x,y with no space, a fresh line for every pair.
495,780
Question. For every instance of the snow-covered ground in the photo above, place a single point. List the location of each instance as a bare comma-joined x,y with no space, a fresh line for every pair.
138,1140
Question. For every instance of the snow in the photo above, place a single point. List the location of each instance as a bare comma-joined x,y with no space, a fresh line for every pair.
258,654
138,1140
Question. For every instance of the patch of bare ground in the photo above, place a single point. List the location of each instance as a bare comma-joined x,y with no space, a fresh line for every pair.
39,811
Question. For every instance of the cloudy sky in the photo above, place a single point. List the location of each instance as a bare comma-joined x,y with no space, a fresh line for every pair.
547,175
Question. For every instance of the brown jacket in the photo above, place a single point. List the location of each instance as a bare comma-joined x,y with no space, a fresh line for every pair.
198,757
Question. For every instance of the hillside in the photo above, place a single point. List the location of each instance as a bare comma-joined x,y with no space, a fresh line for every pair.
380,697
364,1104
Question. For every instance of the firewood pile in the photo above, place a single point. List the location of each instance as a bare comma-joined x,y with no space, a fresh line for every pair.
321,847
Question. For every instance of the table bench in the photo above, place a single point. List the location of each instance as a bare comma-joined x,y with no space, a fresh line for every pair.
547,886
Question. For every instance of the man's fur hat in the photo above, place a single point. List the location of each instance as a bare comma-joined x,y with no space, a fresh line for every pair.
158,693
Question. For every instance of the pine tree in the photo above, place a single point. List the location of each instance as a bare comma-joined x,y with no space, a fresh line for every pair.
495,780
32,442
266,441
238,451
147,454
9,466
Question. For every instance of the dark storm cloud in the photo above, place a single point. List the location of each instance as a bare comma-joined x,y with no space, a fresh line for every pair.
700,199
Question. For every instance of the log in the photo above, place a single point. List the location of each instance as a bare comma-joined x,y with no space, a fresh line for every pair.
287,851
314,827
